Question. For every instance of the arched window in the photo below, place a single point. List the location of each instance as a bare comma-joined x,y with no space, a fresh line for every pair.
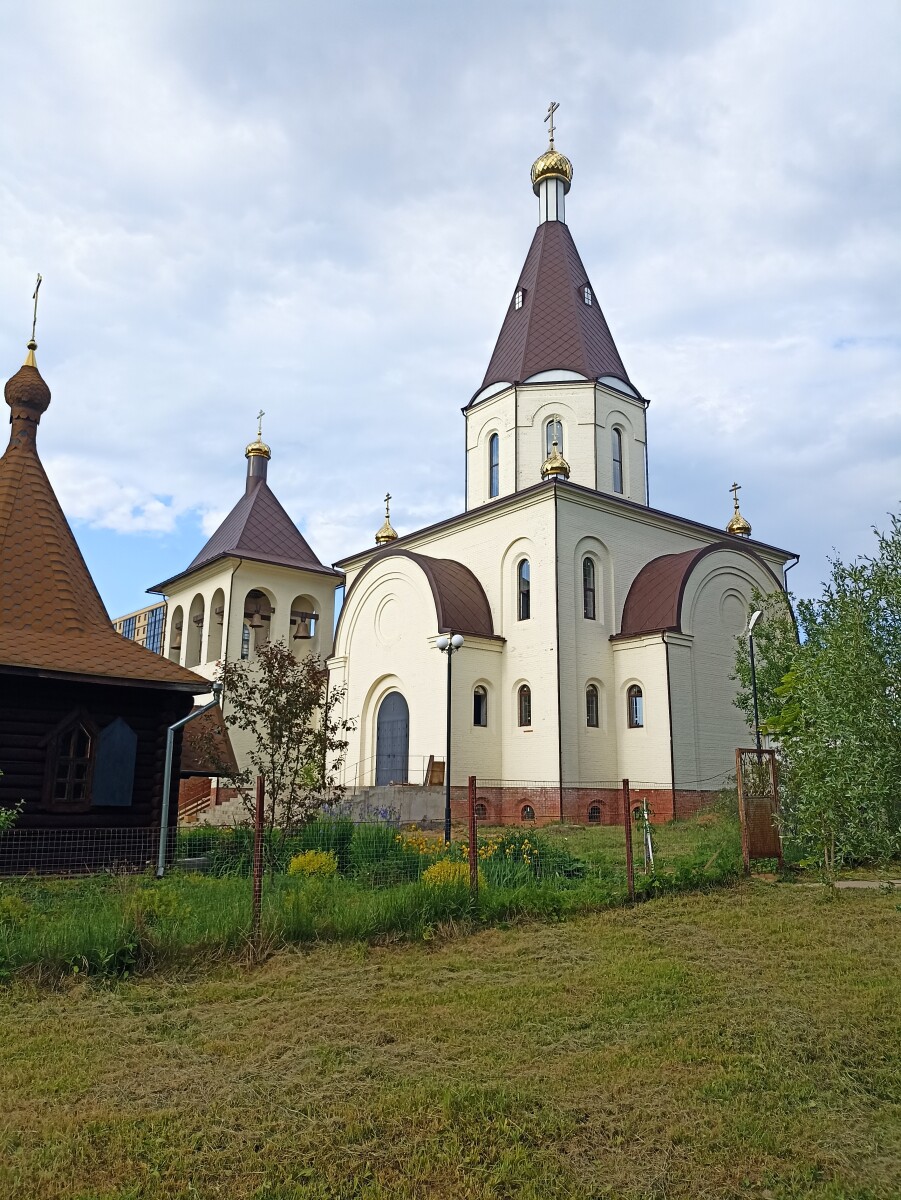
480,706
481,812
554,429
245,640
72,775
589,607
618,461
594,814
591,706
494,470
527,812
523,587
636,707
175,633
525,705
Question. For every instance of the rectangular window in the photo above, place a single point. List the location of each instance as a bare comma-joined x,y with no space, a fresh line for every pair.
156,620
128,628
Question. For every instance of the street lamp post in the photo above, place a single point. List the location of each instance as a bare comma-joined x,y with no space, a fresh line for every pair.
448,644
755,617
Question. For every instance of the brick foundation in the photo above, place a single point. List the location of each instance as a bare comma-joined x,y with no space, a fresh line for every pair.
575,805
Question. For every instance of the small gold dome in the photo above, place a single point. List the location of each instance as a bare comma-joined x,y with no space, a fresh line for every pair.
258,449
387,533
552,165
738,525
555,463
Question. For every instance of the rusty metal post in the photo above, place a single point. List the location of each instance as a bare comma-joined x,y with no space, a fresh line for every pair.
627,826
742,814
473,839
257,863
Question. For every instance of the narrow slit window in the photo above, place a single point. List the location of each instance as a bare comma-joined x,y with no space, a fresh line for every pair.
618,461
525,706
494,461
524,590
589,607
517,299
636,707
586,295
591,706
480,706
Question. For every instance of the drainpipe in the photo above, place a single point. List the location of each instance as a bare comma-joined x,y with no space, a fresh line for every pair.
167,773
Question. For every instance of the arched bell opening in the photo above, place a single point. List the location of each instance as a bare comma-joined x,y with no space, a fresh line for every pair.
194,632
176,629
304,625
256,630
215,624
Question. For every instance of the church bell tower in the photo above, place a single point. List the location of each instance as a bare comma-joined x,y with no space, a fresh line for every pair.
556,375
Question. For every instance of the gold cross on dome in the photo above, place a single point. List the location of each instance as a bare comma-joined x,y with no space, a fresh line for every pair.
551,109
37,288
387,499
735,489
260,416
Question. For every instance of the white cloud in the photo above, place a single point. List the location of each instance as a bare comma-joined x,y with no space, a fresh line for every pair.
322,211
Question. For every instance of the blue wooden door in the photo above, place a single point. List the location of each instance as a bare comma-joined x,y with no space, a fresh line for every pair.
392,740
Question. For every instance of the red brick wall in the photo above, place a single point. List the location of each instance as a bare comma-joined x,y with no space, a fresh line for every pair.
504,805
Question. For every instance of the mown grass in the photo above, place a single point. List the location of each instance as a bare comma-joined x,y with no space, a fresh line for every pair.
121,925
743,1043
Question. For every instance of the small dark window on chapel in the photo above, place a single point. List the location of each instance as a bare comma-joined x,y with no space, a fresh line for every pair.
494,468
72,777
618,461
636,707
525,706
480,706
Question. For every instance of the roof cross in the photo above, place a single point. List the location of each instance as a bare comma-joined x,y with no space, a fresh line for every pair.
387,499
34,323
260,416
551,109
735,489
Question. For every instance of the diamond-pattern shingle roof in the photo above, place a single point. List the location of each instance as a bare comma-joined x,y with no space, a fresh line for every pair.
52,619
554,330
257,528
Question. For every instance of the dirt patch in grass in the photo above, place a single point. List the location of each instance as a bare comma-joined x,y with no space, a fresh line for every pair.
740,1044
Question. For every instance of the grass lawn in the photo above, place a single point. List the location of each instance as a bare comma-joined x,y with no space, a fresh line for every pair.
739,1043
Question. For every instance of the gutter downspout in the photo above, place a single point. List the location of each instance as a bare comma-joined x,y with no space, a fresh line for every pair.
167,774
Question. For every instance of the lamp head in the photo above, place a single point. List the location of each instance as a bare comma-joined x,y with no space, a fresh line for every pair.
755,617
217,691
443,643
457,641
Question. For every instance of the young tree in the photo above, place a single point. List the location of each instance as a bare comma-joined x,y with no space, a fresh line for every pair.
297,738
836,713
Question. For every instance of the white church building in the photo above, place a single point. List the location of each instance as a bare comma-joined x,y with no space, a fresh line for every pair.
598,632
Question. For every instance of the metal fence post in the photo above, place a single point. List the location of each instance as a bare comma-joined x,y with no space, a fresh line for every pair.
473,839
627,826
257,864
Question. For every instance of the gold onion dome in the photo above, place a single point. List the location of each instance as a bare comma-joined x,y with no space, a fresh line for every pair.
552,165
258,449
738,525
555,463
387,533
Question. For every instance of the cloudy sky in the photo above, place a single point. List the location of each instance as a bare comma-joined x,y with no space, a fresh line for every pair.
321,210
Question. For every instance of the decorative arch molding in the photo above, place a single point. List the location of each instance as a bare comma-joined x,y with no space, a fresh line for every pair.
715,571
593,547
655,602
460,602
376,588
516,551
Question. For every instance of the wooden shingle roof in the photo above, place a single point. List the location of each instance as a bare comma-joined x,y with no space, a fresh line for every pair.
52,620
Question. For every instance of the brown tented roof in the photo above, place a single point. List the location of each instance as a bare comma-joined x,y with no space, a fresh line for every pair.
654,602
257,528
206,748
52,619
460,601
555,330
